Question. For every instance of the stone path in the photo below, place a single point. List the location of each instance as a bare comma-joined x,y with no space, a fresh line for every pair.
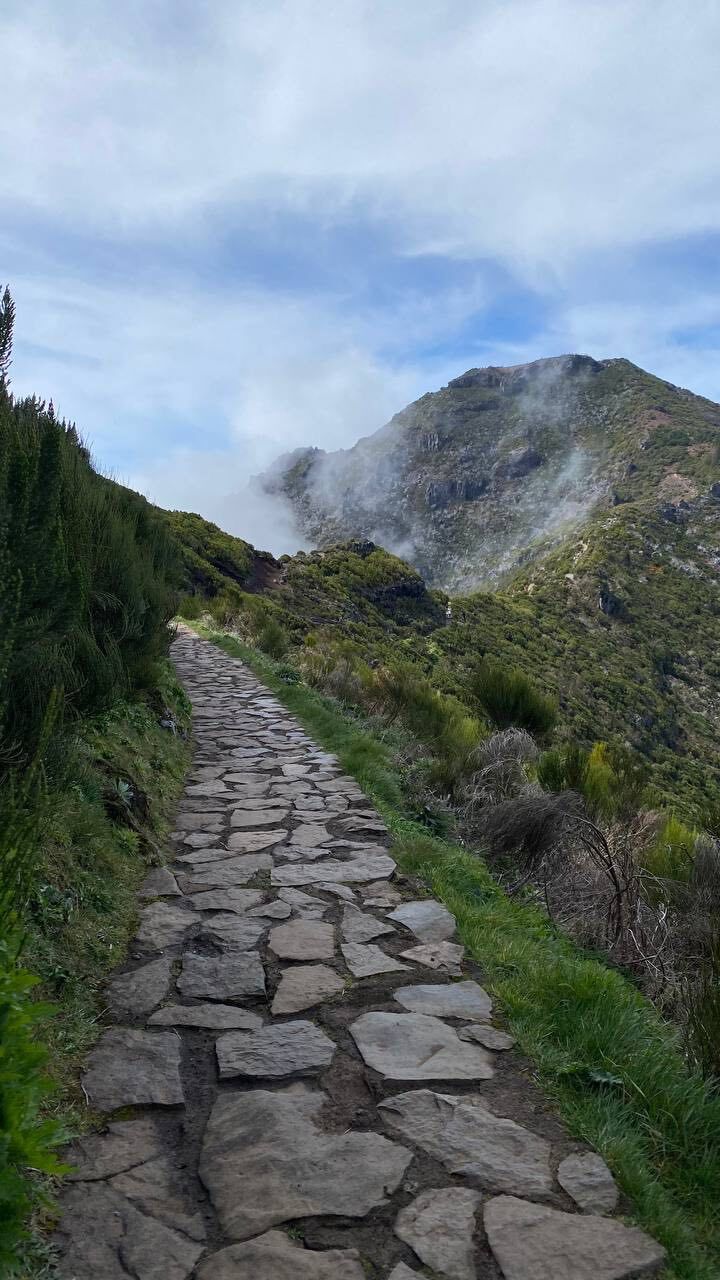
301,1074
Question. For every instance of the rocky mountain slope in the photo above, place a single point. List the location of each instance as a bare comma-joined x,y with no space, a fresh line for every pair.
471,482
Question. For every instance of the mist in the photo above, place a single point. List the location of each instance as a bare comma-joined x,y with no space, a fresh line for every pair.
466,512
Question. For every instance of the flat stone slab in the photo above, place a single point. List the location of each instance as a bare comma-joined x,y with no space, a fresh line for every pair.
469,1139
200,821
428,920
159,883
164,924
360,926
489,1037
201,857
272,911
233,932
336,891
365,960
437,955
266,1160
304,904
254,841
381,894
413,1046
209,788
465,1000
253,804
401,1272
155,1188
354,871
107,1236
309,835
216,1017
289,1048
589,1182
303,940
124,1144
439,1226
293,853
231,872
198,839
348,786
258,817
131,1068
248,783
533,1242
305,985
135,994
275,1257
228,977
239,900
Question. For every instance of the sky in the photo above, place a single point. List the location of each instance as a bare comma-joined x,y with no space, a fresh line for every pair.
234,227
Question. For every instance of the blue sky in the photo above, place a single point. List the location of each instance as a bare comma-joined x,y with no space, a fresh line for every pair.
233,228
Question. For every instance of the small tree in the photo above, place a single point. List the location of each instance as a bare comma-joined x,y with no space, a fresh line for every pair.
7,324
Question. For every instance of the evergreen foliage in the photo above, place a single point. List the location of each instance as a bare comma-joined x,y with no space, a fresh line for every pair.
88,572
86,587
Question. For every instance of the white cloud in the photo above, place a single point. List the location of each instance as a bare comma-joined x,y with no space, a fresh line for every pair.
544,136
535,130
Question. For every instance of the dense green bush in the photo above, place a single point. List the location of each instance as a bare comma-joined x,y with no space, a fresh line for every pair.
509,699
611,778
86,586
88,575
272,639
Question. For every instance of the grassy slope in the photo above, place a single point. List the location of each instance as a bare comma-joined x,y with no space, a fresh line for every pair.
648,675
602,1052
84,908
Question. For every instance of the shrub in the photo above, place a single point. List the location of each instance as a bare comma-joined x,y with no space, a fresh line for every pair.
191,608
611,778
25,1142
399,691
499,768
563,769
87,579
702,1005
508,698
672,852
223,608
273,639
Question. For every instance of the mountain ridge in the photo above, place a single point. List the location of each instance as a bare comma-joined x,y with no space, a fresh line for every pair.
470,482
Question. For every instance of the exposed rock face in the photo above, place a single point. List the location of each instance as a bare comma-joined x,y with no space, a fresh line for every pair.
496,461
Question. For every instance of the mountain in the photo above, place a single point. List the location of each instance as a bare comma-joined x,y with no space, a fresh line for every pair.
484,477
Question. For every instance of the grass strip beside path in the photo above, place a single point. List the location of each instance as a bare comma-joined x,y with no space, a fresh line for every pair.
613,1067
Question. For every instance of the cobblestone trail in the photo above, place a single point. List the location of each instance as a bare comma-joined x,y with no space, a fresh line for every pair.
301,1075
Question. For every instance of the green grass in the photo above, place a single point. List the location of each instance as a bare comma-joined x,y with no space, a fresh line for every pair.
603,1054
83,910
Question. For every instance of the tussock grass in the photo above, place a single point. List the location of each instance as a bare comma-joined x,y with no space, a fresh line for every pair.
613,1067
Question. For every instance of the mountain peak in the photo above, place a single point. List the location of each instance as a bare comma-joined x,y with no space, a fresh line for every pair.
473,481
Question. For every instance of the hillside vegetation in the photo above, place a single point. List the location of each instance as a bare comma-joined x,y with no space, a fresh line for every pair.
92,751
564,724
